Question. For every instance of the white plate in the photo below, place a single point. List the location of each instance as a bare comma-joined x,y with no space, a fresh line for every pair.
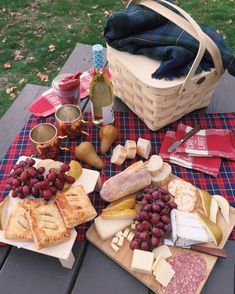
88,179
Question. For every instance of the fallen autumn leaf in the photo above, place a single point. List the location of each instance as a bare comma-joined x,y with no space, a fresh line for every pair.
51,48
7,65
10,90
42,77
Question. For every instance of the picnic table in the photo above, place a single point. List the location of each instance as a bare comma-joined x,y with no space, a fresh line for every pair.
23,271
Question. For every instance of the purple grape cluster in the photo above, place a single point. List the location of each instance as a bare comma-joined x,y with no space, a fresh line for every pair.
153,218
25,180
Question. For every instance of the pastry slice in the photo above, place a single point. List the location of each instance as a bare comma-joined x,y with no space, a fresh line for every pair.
75,206
18,228
47,225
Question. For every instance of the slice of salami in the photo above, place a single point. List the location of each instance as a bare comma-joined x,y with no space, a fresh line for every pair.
190,270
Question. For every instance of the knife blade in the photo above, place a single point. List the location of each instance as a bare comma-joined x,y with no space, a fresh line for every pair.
194,131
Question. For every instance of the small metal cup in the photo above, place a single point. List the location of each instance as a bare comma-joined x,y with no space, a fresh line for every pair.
45,140
69,121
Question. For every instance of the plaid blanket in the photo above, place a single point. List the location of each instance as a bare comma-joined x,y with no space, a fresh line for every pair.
140,30
131,127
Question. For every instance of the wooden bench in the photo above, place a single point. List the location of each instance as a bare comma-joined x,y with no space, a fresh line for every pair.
26,272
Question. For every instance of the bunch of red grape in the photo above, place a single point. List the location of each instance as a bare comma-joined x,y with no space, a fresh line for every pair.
153,218
25,180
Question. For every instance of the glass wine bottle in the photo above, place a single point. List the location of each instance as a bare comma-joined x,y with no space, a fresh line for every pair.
101,90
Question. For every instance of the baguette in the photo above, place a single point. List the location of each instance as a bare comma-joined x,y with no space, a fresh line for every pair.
163,176
154,165
129,181
119,155
143,148
130,146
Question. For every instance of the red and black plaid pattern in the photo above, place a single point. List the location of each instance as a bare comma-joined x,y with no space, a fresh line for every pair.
131,127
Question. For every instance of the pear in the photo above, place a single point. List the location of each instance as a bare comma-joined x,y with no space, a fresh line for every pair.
213,210
211,227
206,201
75,171
224,206
86,152
121,204
108,134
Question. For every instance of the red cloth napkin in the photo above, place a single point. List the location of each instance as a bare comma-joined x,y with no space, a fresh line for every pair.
46,104
208,142
209,165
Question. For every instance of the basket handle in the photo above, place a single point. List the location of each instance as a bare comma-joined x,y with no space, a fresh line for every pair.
190,26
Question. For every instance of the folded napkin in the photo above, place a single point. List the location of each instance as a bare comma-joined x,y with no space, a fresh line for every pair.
210,165
207,143
140,30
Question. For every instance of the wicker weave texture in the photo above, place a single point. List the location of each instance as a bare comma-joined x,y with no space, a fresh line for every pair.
154,106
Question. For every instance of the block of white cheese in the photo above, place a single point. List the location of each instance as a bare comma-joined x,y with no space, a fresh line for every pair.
163,250
142,261
107,228
164,273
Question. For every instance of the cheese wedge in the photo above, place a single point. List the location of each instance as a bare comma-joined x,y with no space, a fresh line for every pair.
107,228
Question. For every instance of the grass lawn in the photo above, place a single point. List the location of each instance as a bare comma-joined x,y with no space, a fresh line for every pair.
37,37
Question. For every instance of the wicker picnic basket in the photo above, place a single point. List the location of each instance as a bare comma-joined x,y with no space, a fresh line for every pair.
160,102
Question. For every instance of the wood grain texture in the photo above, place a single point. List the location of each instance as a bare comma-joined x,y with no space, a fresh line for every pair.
16,116
124,256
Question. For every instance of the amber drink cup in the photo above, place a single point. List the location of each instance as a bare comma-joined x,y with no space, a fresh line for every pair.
69,121
45,140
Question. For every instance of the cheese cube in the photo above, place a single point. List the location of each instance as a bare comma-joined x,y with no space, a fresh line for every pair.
130,236
118,234
133,226
115,240
126,232
115,247
120,241
164,274
163,250
142,261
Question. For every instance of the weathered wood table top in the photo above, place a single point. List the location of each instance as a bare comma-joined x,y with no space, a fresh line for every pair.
25,272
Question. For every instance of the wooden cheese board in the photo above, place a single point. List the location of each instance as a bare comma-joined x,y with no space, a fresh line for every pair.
124,256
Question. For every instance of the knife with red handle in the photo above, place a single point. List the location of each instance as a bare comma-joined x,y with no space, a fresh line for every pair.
194,131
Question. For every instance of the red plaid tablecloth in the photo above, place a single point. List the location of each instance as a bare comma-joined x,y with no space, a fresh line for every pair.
131,127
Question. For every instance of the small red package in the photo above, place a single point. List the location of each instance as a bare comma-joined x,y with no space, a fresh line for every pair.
206,165
208,142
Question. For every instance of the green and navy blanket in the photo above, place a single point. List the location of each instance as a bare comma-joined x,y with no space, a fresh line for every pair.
140,30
